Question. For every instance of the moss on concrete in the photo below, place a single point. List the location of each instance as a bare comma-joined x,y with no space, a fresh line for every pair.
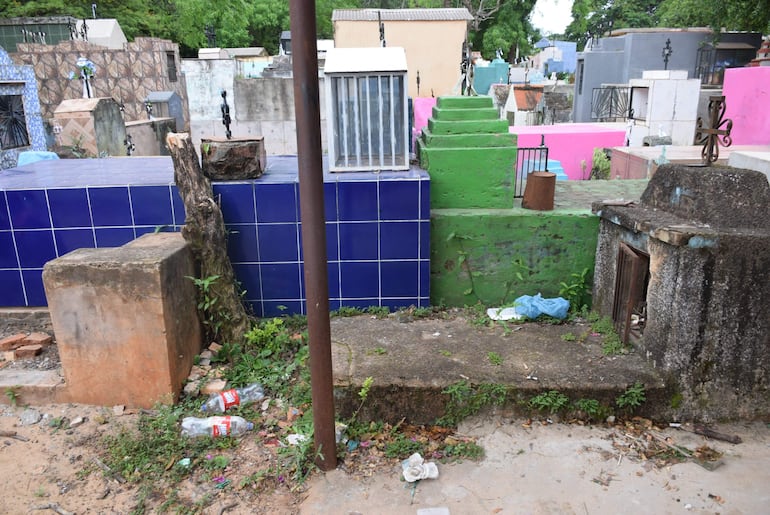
496,255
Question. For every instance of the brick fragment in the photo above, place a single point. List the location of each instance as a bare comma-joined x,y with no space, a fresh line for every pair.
214,386
38,339
9,355
12,342
28,351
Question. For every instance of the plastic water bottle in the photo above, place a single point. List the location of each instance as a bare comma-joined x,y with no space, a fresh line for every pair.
222,401
215,426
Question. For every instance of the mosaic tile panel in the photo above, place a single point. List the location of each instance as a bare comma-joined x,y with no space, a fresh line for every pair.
377,230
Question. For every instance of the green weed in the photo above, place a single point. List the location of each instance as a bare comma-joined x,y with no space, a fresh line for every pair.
551,401
466,400
569,337
494,358
592,409
633,397
402,447
577,291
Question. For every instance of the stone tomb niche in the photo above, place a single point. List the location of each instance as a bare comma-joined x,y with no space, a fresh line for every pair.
685,274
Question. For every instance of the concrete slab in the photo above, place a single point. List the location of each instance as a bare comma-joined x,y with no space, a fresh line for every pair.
33,387
411,363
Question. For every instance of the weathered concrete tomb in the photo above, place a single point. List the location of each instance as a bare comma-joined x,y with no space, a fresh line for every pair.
125,320
685,276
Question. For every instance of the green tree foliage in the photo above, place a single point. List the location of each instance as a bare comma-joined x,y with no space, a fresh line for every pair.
598,17
508,31
749,15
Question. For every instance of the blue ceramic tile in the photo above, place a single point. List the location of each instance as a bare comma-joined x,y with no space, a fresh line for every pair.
7,251
68,240
399,200
237,201
33,285
110,207
254,307
399,240
359,280
69,208
144,230
425,279
115,237
396,304
360,303
332,242
35,248
276,203
5,221
357,200
10,285
276,308
242,243
178,205
425,200
151,205
330,201
277,242
280,281
333,278
334,305
358,241
29,209
248,277
424,240
399,278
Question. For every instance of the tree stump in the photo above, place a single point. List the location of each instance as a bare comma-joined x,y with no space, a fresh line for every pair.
539,191
226,320
233,159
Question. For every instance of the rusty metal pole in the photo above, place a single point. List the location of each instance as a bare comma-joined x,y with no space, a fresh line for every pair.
308,119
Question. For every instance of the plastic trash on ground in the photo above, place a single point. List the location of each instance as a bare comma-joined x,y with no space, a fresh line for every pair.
215,426
503,314
416,468
295,438
533,307
222,401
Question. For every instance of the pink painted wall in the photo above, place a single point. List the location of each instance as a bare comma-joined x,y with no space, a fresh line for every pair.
423,109
747,95
571,143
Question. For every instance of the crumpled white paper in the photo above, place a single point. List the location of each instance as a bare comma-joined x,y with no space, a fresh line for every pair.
416,468
503,314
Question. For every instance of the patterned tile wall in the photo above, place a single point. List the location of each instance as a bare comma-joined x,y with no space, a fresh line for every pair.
377,232
126,75
10,74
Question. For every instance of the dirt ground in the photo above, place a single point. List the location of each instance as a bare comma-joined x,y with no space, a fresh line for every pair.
50,462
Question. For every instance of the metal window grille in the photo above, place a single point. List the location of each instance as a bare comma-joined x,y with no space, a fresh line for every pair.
528,160
13,123
171,64
610,103
633,269
368,122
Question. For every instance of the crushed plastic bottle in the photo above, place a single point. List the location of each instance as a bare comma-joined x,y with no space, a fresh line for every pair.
215,426
222,401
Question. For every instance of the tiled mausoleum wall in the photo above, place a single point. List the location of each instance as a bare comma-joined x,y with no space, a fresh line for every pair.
378,228
20,80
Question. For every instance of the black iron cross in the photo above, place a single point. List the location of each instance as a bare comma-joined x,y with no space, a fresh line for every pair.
714,135
226,115
667,51
211,35
84,30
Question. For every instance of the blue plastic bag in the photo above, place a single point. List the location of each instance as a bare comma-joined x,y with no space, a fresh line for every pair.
533,307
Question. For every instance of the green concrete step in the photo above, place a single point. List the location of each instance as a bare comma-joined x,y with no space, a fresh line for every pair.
485,113
464,102
468,127
467,140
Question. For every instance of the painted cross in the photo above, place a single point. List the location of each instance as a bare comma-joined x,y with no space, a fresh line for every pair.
226,115
715,134
667,51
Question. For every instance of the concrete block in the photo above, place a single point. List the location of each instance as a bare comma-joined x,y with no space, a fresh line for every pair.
12,342
125,320
233,159
664,74
28,351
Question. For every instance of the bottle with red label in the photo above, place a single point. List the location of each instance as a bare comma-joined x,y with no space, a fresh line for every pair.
215,426
222,401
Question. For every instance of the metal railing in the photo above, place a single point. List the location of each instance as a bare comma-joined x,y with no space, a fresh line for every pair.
529,160
609,103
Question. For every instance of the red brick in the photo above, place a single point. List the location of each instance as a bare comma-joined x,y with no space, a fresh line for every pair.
38,339
9,355
12,342
28,351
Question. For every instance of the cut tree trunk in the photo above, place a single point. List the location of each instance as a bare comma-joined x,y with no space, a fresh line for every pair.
204,229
